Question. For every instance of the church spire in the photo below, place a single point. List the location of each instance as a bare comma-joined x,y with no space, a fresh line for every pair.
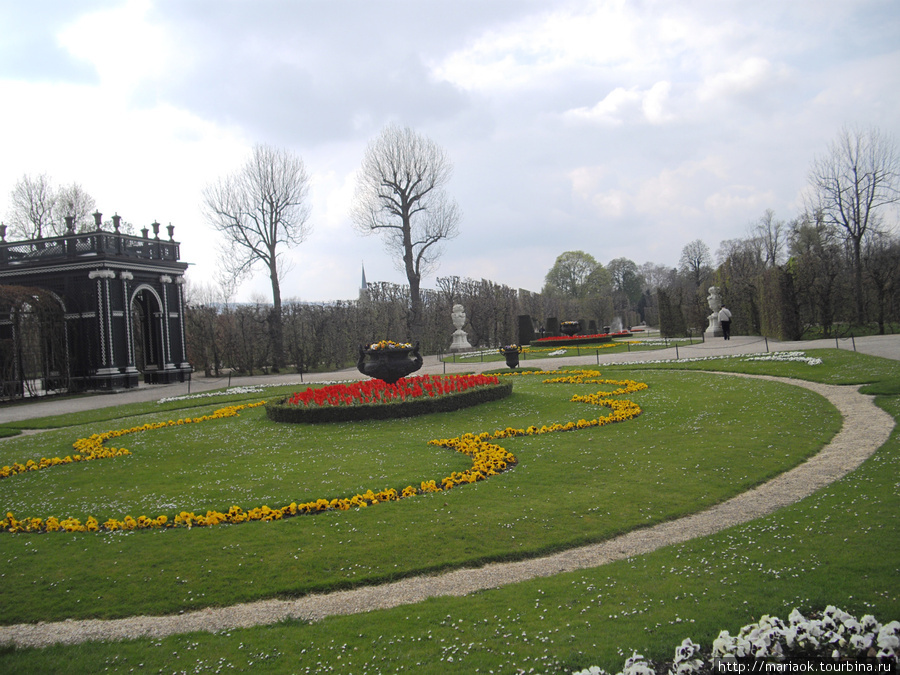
363,286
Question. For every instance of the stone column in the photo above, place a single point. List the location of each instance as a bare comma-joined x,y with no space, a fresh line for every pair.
179,283
130,367
104,319
165,280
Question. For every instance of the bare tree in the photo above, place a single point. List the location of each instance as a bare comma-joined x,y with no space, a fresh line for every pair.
851,184
203,307
657,276
772,237
400,195
260,209
696,261
73,201
39,210
33,200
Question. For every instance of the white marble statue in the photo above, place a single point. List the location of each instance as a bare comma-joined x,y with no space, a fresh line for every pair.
715,304
460,339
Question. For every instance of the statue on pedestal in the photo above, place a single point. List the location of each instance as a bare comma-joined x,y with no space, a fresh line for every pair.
460,340
715,304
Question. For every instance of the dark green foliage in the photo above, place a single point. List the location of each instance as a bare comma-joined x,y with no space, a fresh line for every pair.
779,318
281,412
671,318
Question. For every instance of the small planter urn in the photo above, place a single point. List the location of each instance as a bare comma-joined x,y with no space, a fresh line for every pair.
569,327
511,352
388,361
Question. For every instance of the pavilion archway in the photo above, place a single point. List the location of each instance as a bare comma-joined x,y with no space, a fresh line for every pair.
33,342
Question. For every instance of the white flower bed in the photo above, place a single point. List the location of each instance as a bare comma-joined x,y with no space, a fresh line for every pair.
786,356
661,343
472,355
837,636
783,357
211,394
248,389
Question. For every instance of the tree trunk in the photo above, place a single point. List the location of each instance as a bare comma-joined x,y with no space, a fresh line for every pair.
276,325
416,324
857,280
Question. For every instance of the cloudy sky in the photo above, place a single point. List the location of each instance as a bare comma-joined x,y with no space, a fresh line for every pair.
621,128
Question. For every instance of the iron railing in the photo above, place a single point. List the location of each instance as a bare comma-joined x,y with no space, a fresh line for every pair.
86,245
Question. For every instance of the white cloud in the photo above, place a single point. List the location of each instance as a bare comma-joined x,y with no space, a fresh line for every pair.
733,200
751,75
147,165
122,45
612,203
582,37
689,190
586,180
684,119
618,104
654,103
626,105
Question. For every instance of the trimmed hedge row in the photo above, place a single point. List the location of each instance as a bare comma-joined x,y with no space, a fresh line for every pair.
281,412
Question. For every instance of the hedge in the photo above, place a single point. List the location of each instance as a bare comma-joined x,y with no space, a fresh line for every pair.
281,412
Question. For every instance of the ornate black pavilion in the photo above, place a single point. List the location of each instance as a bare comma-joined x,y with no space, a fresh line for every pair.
121,308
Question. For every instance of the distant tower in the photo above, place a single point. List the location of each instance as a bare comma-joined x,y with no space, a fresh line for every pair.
363,287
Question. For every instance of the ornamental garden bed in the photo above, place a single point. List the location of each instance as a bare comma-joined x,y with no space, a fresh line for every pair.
565,340
375,399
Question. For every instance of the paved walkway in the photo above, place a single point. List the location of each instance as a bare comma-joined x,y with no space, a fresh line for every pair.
865,428
887,346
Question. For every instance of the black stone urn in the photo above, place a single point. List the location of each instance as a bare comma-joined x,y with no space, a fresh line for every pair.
569,327
511,352
388,361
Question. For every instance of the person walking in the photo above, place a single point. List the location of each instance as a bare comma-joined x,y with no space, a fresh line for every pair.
725,321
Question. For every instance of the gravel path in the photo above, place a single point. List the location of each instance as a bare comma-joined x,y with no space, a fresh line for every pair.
865,428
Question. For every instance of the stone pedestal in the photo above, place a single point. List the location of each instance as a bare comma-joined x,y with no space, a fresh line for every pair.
460,341
714,329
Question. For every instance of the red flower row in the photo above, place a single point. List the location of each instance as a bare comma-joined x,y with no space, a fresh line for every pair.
378,391
623,333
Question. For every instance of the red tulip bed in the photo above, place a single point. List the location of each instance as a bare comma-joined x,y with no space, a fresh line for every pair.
375,399
565,340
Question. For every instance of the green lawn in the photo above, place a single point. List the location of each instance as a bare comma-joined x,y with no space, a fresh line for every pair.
545,352
568,489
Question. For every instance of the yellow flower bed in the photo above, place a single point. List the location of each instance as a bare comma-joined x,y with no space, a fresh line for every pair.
488,459
622,410
92,447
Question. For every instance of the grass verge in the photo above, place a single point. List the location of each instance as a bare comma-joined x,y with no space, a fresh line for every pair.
806,555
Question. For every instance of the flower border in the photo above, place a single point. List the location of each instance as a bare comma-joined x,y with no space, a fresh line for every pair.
836,636
488,459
